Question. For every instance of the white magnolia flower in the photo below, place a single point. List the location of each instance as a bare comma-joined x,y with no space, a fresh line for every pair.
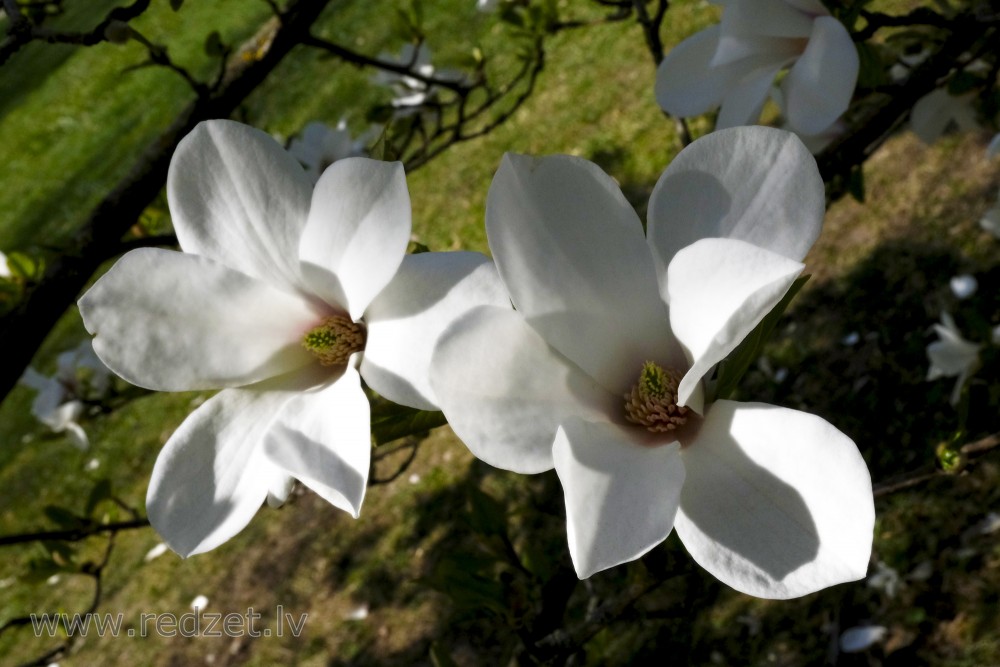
938,112
951,355
320,145
599,372
57,405
279,290
732,65
412,93
4,267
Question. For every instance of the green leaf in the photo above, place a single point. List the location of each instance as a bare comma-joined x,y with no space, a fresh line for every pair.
100,492
383,150
25,267
214,47
391,422
856,184
872,71
486,516
733,367
62,517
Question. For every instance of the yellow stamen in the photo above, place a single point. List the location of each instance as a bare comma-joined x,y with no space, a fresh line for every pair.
653,400
334,340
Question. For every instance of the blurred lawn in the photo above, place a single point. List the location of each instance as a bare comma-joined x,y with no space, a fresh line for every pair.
72,124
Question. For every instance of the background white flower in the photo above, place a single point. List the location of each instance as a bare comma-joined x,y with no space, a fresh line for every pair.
951,355
320,145
599,372
279,290
732,65
939,112
412,93
963,286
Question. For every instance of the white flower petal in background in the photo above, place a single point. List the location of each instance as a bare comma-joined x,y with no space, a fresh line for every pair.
993,149
990,221
861,638
412,93
359,613
199,603
951,355
733,65
320,145
885,579
487,5
92,465
963,286
939,112
4,267
156,552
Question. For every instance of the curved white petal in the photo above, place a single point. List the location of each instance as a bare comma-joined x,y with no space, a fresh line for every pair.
937,112
505,391
358,228
719,290
764,18
743,103
819,87
570,251
212,476
755,184
323,439
621,497
237,197
777,503
689,83
171,321
429,292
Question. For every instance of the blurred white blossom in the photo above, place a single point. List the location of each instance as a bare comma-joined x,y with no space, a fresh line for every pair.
861,638
993,149
199,603
58,403
963,286
4,267
951,355
320,145
155,552
885,579
732,65
939,112
412,93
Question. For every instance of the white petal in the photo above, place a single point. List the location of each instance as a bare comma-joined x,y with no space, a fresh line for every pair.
570,251
77,436
505,391
429,292
171,321
720,289
237,197
993,149
743,103
819,87
765,18
777,503
358,228
212,476
756,184
621,497
323,439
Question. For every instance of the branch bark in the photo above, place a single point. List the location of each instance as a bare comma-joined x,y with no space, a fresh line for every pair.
23,330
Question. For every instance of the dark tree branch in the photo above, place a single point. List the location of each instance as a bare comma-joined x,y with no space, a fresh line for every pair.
73,534
968,454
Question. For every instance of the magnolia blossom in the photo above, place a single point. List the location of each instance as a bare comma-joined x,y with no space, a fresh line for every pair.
600,371
732,65
282,295
413,93
58,405
963,286
938,112
320,145
951,355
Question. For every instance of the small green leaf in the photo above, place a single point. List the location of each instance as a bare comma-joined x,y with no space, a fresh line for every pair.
733,367
392,422
100,492
214,46
383,150
872,70
62,517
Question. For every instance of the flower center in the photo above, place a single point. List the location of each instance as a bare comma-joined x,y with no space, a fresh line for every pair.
653,400
334,340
